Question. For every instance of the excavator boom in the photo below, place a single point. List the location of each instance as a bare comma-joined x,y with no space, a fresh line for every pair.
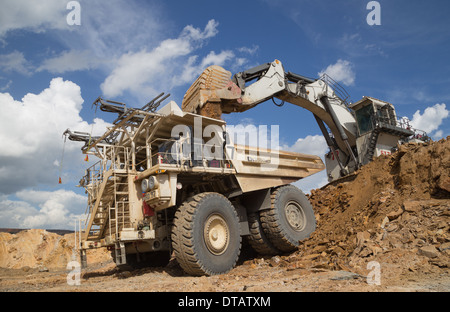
215,92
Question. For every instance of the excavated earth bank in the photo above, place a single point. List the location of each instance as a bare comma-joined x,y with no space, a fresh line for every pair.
396,211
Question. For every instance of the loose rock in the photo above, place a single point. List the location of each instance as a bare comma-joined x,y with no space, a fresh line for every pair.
429,251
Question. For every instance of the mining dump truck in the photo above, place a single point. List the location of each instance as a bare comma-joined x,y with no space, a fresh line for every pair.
170,181
174,181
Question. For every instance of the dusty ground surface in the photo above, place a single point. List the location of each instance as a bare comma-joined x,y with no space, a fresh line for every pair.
388,229
251,277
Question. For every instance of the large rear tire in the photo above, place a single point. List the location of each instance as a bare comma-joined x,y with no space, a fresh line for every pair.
257,239
290,218
206,236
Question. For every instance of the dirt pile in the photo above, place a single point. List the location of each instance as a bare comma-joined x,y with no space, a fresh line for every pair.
41,249
396,211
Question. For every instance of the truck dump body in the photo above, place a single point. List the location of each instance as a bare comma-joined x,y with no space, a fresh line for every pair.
284,168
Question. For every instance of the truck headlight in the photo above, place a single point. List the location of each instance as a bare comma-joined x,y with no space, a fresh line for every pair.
149,184
152,182
144,185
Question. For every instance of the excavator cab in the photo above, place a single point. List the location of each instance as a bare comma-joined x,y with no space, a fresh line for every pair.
371,113
378,129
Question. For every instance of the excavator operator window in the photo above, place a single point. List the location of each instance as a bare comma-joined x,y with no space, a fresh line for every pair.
364,117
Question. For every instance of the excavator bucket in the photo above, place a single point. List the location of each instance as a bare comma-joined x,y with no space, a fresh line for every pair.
205,95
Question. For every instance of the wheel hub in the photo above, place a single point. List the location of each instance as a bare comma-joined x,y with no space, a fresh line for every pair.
216,234
295,216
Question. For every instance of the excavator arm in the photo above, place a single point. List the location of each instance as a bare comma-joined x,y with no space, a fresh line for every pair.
215,92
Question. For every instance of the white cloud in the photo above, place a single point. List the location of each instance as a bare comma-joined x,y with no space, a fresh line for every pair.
107,30
31,135
170,64
56,209
341,71
438,135
196,34
312,144
239,62
431,119
42,209
15,62
313,182
32,15
72,60
13,212
249,50
147,72
6,86
113,28
127,41
192,69
216,59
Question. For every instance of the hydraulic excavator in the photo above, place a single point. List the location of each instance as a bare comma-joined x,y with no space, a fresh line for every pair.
354,132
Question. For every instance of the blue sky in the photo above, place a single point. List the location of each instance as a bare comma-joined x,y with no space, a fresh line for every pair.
130,51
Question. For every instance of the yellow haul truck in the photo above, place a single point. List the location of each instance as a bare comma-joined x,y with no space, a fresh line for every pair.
174,182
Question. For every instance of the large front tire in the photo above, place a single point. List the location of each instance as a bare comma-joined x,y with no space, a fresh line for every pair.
206,235
290,218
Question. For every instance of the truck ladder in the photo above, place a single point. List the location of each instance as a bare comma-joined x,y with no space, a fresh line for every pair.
119,253
119,212
98,202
